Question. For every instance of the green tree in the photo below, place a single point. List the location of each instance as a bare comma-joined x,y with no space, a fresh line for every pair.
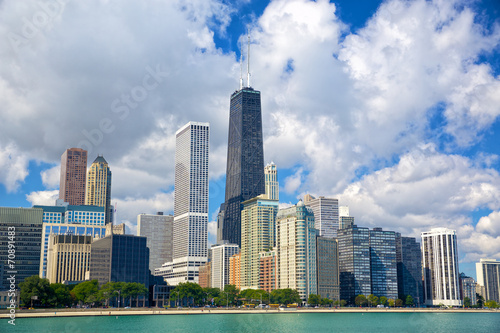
190,292
326,302
383,300
398,303
467,302
491,304
133,289
285,296
314,299
211,293
373,300
83,290
391,302
231,294
61,294
343,302
409,301
38,288
361,300
480,300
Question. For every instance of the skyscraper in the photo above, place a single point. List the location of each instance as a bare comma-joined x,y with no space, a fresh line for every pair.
158,229
296,247
326,214
409,258
23,228
190,205
488,279
73,176
354,262
99,186
258,222
345,221
271,181
68,258
328,268
440,267
383,265
245,159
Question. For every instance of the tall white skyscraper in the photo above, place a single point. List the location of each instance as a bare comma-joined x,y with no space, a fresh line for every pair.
440,267
488,279
271,177
190,205
326,214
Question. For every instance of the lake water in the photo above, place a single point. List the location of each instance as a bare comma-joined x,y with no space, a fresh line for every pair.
267,323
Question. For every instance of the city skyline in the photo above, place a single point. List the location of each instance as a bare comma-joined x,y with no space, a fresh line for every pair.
405,134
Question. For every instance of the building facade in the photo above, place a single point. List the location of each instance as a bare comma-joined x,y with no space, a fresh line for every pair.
326,214
296,249
73,176
190,205
328,268
345,221
383,265
409,261
64,219
120,258
468,288
205,275
245,159
354,262
235,270
22,227
68,258
488,279
158,229
220,264
268,270
271,182
440,267
99,186
258,222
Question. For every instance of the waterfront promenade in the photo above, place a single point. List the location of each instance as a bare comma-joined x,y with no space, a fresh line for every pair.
39,313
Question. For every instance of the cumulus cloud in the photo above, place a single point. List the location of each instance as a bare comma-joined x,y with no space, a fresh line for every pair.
51,177
13,166
349,113
44,198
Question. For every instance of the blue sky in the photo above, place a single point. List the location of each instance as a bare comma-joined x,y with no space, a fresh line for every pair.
392,107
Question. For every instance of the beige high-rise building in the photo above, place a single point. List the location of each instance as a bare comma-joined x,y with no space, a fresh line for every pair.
73,176
440,267
99,186
271,178
68,258
258,222
296,247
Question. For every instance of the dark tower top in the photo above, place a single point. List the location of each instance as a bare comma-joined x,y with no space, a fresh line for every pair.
245,159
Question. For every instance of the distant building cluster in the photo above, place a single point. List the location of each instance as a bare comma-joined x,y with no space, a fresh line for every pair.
314,247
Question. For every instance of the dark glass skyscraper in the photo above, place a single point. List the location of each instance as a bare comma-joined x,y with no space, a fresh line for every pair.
245,159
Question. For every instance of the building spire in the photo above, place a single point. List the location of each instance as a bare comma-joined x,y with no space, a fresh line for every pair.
248,62
241,71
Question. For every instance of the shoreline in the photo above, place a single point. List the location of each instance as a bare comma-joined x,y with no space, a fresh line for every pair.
44,313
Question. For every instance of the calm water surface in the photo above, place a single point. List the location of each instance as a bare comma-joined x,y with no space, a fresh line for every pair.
268,323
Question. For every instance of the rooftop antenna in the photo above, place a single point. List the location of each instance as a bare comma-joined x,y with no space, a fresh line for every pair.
248,63
241,71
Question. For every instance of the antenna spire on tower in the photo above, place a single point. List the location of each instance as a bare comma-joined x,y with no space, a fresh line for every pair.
248,62
241,71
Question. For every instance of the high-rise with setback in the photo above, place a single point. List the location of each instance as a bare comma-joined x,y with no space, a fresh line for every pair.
99,186
73,176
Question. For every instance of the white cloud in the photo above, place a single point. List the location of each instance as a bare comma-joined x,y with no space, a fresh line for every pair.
51,177
13,166
44,198
490,224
